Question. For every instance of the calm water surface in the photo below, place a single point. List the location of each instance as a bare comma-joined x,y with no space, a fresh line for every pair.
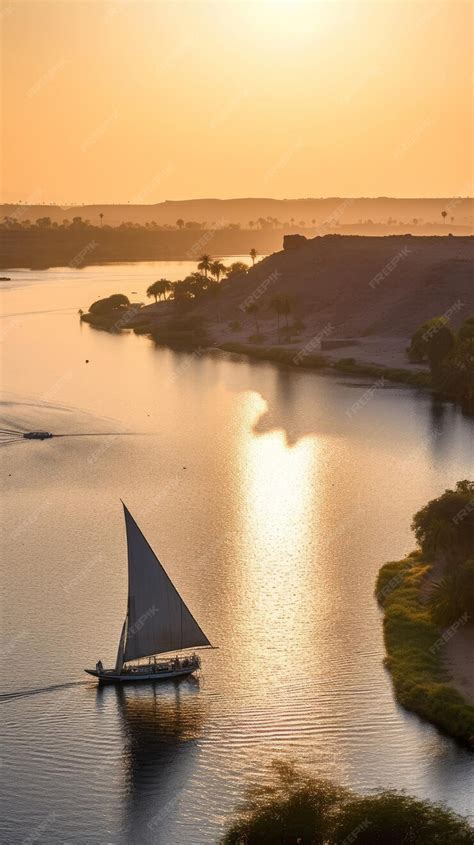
272,509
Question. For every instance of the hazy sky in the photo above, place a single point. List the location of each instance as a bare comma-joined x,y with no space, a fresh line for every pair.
140,101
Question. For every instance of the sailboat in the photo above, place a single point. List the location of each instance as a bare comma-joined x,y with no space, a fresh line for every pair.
157,622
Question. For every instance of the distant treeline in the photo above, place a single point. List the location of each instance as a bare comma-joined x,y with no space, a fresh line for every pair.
78,245
259,212
78,242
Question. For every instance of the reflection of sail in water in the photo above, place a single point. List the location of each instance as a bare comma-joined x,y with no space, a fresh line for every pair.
160,733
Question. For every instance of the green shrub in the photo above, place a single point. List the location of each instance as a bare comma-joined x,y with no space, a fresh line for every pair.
392,818
294,807
109,303
432,341
450,356
445,526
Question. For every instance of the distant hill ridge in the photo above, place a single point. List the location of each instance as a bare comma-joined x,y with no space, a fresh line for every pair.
312,212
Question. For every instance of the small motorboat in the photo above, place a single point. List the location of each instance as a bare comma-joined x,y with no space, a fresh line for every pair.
37,435
157,622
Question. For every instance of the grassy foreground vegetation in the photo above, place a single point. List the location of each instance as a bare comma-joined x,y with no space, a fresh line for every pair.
294,807
413,637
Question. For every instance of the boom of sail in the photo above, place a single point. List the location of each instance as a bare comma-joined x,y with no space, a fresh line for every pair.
157,620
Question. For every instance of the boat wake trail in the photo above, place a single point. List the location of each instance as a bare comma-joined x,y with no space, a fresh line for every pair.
8,696
10,440
10,436
106,434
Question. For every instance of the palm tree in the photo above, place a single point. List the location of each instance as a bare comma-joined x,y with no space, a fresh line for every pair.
159,289
180,223
205,263
253,254
166,287
153,291
217,269
253,309
444,215
101,218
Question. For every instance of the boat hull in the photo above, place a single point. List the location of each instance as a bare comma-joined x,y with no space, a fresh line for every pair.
111,677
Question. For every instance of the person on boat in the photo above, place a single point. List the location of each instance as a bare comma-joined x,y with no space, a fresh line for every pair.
99,667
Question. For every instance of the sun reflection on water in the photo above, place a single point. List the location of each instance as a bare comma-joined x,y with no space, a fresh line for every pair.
279,518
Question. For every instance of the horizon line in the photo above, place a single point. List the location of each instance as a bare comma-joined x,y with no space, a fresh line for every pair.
76,204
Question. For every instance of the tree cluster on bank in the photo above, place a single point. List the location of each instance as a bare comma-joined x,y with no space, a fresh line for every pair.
17,220
450,356
116,312
444,529
204,281
292,807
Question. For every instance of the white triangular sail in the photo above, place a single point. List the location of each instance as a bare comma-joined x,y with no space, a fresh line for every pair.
157,619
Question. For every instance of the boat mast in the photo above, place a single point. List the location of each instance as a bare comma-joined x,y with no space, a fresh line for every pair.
121,648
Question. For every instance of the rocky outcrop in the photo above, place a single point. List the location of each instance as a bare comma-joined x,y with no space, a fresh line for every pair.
294,241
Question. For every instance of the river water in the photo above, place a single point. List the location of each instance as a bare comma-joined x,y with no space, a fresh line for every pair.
271,501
